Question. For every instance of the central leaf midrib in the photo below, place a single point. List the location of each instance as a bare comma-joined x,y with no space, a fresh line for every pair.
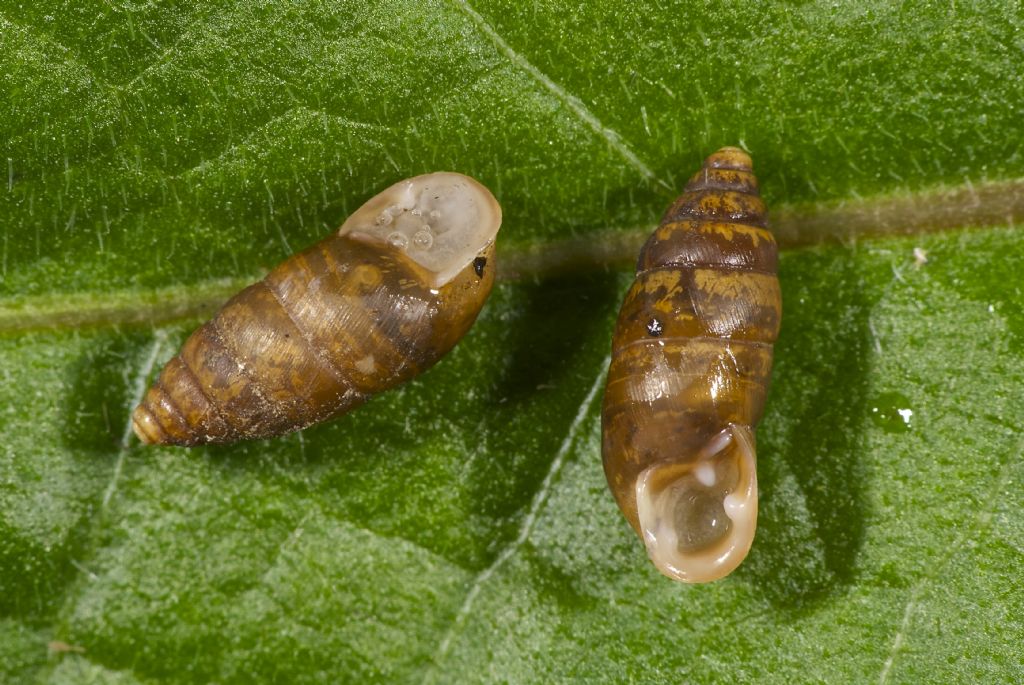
947,208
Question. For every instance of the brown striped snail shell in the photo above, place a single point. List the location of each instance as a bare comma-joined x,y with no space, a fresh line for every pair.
363,310
691,359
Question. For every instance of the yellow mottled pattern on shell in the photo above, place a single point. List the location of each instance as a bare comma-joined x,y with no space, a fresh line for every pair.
327,328
692,348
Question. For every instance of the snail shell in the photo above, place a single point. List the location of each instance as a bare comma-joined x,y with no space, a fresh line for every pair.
691,359
363,310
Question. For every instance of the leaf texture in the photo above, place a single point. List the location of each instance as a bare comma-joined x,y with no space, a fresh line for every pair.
459,529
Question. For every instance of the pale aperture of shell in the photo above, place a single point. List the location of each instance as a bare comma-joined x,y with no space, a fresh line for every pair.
692,346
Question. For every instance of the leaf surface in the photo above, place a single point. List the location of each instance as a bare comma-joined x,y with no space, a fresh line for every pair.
458,529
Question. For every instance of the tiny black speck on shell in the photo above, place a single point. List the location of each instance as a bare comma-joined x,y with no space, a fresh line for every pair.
478,266
706,290
241,376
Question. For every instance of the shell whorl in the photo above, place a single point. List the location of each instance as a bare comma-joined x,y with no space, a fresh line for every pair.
690,370
718,221
353,315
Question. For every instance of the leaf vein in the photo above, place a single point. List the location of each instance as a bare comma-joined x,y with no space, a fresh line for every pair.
981,520
68,54
161,59
539,500
293,115
574,104
141,379
931,211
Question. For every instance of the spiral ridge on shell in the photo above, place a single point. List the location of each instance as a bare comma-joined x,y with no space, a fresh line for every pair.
691,364
363,310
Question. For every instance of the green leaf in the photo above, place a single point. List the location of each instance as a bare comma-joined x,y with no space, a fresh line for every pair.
159,155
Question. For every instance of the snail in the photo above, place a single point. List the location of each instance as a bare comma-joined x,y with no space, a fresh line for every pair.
691,359
365,309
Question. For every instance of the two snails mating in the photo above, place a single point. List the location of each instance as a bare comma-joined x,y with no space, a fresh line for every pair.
404,278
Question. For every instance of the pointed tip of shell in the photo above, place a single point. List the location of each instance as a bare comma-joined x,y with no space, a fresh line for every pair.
145,426
729,157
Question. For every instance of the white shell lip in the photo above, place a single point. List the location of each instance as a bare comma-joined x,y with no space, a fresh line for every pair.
740,505
442,221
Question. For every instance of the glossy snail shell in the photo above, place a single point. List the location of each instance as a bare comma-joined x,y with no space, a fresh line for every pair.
363,310
691,359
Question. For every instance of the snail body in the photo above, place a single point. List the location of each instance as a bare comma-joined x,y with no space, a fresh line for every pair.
363,310
691,359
